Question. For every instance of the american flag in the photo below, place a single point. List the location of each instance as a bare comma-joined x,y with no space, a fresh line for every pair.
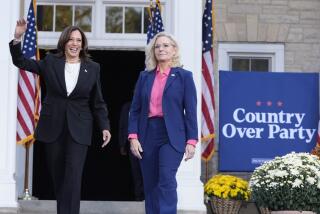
156,24
207,97
28,85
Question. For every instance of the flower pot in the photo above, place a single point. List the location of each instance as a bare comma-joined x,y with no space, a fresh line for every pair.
264,210
225,206
292,212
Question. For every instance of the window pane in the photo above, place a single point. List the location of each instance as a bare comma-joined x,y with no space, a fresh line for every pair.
114,19
45,17
133,19
260,65
83,17
146,20
240,64
63,17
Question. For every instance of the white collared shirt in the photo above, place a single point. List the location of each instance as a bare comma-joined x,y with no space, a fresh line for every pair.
71,74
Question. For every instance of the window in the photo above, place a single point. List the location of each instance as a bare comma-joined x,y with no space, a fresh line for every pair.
126,19
239,63
63,17
133,17
251,57
114,19
107,23
45,17
83,17
54,18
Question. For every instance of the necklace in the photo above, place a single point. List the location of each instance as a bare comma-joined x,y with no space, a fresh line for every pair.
72,61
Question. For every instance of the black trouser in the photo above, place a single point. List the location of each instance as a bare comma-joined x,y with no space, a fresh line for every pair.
65,159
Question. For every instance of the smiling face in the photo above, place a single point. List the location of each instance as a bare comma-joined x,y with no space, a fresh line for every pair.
73,46
164,50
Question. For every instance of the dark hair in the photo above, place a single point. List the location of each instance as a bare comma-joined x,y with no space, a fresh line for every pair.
64,38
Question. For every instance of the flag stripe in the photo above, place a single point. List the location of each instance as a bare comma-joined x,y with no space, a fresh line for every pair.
208,92
23,89
24,105
24,115
23,125
208,73
28,80
206,116
208,152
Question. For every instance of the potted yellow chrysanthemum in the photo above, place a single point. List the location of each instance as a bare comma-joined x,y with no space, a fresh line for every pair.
226,192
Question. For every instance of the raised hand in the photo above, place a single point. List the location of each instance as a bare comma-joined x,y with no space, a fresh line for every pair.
21,28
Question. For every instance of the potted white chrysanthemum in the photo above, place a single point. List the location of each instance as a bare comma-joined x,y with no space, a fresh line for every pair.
290,182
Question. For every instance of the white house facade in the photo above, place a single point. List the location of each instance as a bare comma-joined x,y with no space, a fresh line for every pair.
181,18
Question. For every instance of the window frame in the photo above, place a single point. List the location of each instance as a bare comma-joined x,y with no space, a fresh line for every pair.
273,51
53,35
130,35
98,38
250,57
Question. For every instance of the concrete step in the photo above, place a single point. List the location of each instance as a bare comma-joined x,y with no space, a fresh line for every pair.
104,207
86,207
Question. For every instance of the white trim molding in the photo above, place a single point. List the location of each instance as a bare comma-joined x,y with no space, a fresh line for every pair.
8,107
98,38
186,18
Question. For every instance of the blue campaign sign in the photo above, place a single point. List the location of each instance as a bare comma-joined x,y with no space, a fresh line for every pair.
265,114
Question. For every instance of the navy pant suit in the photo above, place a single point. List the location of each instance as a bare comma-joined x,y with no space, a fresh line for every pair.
163,139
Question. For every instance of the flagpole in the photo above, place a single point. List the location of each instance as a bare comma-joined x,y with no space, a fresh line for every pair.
207,171
21,8
26,194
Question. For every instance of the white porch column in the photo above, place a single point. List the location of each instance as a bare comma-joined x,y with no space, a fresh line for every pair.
186,26
8,93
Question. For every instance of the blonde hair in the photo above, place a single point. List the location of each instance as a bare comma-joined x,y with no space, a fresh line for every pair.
151,61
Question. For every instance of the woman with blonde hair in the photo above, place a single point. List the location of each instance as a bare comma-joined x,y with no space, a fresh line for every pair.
163,122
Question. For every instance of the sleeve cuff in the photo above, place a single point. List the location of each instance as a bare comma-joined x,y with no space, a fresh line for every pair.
15,41
133,136
192,142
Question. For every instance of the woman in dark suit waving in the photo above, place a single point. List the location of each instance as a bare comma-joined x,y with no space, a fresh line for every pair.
73,101
163,122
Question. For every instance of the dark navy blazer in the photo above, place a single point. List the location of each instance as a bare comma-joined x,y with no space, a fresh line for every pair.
179,106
